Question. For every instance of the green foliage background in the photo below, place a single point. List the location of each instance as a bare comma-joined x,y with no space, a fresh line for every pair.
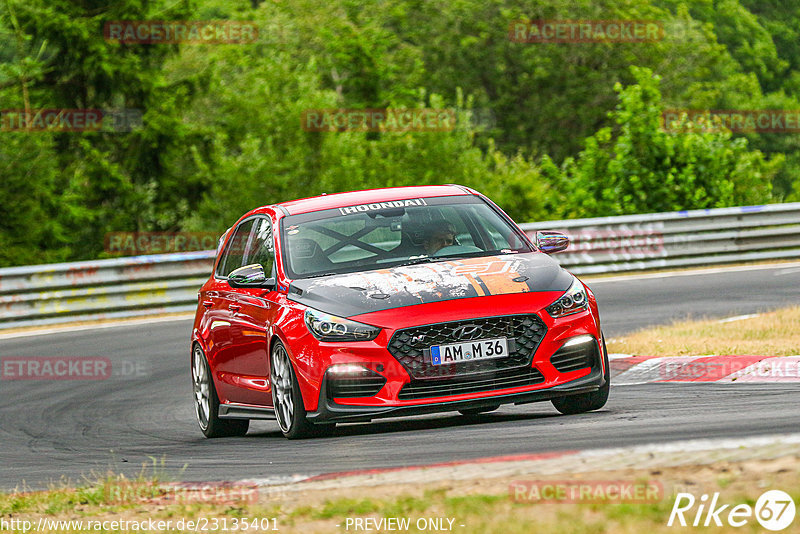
547,130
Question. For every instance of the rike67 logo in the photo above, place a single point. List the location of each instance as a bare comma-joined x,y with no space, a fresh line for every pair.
774,510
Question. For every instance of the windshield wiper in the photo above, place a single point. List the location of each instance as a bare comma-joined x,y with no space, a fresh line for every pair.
423,259
429,259
319,275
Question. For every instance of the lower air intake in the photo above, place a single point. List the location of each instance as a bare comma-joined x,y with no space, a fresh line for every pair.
364,384
575,357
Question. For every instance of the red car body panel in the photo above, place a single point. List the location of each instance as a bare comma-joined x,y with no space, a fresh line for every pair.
237,327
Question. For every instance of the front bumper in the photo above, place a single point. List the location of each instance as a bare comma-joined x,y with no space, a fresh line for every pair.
406,390
329,411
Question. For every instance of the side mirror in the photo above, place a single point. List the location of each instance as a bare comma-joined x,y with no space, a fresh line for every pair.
550,242
250,276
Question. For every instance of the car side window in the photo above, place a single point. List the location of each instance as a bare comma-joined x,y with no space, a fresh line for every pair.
262,246
235,251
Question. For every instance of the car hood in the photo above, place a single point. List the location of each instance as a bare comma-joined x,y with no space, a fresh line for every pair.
351,294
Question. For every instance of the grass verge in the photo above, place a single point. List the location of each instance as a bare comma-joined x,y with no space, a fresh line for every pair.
476,506
774,333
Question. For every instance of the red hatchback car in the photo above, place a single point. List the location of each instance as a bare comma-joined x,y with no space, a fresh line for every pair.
390,302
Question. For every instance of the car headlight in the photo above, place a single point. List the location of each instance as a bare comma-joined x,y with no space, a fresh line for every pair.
326,327
573,301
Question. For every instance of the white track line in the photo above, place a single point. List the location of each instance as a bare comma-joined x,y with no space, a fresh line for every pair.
114,324
790,268
738,318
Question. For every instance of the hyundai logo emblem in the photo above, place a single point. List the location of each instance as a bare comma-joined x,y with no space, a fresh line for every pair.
468,331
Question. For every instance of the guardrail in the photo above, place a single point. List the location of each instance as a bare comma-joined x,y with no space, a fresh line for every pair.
678,239
103,289
164,283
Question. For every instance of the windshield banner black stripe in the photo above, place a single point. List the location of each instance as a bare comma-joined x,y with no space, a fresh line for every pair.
377,206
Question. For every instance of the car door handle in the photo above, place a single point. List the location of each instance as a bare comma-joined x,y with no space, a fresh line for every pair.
234,308
208,303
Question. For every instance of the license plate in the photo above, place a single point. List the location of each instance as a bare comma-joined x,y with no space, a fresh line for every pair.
482,349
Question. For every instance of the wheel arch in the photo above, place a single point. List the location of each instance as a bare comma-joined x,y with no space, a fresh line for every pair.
309,390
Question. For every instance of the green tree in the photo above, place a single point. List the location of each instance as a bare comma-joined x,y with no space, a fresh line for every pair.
647,168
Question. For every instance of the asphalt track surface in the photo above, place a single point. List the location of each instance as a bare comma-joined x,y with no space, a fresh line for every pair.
77,430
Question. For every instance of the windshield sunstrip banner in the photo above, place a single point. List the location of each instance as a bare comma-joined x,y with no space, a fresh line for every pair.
377,206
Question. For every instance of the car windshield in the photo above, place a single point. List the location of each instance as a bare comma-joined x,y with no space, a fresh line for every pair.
387,234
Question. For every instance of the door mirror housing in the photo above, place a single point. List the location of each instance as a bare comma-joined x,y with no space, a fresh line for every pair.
251,276
551,242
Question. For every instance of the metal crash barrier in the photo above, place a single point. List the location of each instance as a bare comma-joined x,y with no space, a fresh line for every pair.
165,283
103,289
678,239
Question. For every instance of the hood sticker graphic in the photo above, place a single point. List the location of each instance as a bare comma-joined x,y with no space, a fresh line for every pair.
356,293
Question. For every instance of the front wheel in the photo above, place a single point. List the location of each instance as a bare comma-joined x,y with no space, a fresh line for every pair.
287,399
206,402
586,402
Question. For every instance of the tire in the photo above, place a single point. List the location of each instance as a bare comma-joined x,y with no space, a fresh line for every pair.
478,411
206,402
287,399
586,402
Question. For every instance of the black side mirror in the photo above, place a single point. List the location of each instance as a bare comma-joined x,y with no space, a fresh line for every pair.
250,276
550,242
